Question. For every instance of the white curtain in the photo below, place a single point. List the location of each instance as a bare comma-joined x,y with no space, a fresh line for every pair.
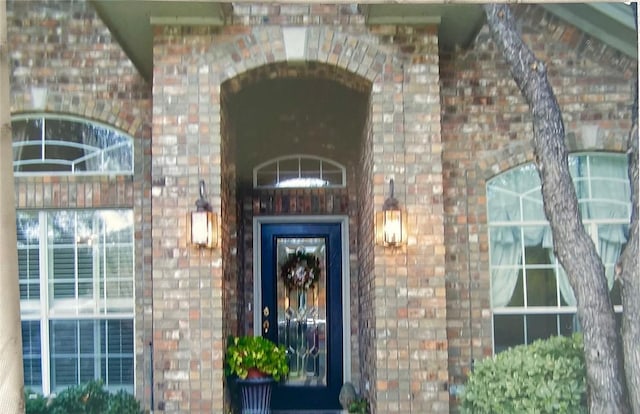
610,196
515,196
505,251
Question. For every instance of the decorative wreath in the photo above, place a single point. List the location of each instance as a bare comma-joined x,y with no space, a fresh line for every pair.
301,270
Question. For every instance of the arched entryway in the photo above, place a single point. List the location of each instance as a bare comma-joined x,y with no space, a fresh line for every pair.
300,121
232,99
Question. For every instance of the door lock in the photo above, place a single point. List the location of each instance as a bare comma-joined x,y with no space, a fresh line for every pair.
265,312
265,327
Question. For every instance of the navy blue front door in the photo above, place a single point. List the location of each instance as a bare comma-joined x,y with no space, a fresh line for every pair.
301,276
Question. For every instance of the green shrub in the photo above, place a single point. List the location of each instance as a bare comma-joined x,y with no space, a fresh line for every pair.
35,403
89,398
123,403
359,406
547,376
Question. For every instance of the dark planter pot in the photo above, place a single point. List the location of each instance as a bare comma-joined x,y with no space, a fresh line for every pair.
256,395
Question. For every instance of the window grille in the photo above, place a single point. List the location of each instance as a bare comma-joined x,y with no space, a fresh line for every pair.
76,274
530,293
49,144
299,171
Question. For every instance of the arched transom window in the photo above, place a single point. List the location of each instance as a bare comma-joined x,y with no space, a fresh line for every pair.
299,171
66,145
530,294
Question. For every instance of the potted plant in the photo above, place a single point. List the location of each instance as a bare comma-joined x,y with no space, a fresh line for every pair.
257,363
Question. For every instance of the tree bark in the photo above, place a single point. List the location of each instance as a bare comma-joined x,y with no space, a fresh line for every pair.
11,371
628,271
572,245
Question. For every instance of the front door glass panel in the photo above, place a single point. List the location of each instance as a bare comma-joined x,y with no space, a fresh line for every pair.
302,308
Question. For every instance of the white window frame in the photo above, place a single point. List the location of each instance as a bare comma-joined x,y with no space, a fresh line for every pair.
306,179
591,226
43,142
46,314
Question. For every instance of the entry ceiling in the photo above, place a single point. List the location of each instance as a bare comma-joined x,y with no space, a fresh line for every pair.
131,21
289,116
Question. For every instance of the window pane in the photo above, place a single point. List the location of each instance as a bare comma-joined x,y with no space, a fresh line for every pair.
86,249
266,178
615,294
31,358
332,177
27,134
310,168
28,237
299,172
69,146
569,324
62,264
83,350
517,298
117,347
288,169
63,354
541,327
516,219
538,255
541,287
508,331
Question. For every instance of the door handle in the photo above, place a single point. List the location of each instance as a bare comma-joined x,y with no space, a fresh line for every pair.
265,327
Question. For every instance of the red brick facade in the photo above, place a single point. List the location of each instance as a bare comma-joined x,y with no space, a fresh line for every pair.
439,124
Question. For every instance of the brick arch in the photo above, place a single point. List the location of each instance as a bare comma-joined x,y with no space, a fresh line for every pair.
581,141
500,161
126,118
355,61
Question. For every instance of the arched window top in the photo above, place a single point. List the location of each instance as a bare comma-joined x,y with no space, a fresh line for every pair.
531,297
299,171
56,144
601,181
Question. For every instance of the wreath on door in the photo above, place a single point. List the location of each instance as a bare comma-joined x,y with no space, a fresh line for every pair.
301,270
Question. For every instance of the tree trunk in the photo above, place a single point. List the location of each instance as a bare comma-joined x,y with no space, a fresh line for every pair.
11,375
629,273
572,245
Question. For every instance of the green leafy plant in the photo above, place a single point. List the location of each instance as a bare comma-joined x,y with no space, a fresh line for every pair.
122,402
88,398
359,406
547,376
247,352
35,403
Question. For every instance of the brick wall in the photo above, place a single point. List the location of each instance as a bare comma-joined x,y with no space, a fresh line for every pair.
486,129
63,48
405,357
420,314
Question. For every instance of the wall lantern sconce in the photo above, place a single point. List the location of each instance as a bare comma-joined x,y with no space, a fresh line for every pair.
204,223
390,222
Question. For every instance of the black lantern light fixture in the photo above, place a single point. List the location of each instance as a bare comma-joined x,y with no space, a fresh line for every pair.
390,222
204,223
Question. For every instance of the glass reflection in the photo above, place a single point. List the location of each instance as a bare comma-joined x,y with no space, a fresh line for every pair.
302,306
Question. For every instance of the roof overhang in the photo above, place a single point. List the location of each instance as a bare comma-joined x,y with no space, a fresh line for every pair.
611,23
131,21
458,24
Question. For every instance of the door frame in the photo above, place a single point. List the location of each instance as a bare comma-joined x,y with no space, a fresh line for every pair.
346,277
